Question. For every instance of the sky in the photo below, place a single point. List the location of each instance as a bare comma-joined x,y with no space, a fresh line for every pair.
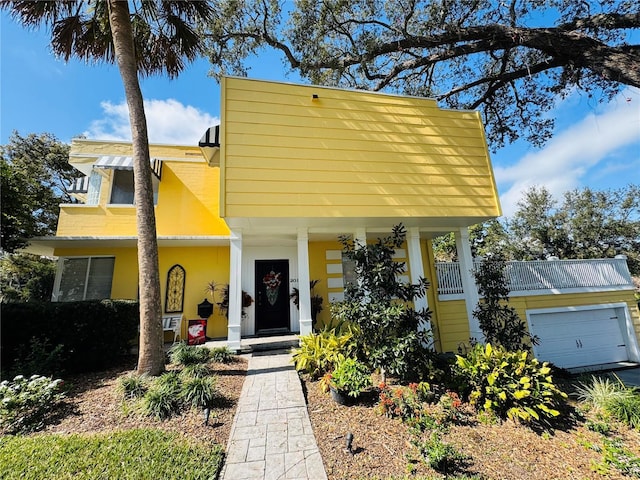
594,145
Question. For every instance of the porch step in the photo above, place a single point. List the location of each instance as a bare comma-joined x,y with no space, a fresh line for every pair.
267,344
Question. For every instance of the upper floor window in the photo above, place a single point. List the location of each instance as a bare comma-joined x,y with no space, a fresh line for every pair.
122,188
83,278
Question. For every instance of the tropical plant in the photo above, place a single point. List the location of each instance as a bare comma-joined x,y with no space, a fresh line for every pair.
25,403
388,335
163,399
351,377
498,320
195,370
316,300
510,384
320,352
156,38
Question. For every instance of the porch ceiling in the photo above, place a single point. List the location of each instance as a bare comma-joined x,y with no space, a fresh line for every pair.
260,228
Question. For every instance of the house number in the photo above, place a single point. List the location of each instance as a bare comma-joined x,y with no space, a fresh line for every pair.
293,280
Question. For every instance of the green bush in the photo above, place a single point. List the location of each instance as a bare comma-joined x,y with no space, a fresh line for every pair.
40,358
200,392
164,397
183,354
26,403
510,384
442,457
614,398
351,377
133,385
196,370
93,334
221,355
320,352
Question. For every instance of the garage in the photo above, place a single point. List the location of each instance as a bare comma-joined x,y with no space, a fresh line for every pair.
573,337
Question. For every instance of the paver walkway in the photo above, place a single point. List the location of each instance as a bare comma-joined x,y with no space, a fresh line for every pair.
271,436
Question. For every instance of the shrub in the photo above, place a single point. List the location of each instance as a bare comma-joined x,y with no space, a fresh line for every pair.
440,456
26,403
133,385
163,398
40,358
196,370
404,402
320,352
618,400
388,334
511,384
183,354
200,392
498,320
94,334
221,355
351,377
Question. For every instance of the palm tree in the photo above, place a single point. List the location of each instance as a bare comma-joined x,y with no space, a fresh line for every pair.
154,37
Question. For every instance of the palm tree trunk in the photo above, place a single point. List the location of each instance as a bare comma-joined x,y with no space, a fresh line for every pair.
151,354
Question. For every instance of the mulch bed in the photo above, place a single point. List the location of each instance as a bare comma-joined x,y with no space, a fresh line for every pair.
93,405
382,446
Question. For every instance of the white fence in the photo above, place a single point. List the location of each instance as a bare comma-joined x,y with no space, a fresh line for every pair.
546,275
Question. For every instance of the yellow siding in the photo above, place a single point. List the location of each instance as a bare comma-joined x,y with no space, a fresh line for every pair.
349,154
318,271
202,265
188,204
452,316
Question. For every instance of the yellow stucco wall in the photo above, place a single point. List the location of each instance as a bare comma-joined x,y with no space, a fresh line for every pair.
349,154
202,265
188,196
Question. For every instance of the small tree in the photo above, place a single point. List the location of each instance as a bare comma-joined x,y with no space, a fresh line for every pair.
498,320
388,333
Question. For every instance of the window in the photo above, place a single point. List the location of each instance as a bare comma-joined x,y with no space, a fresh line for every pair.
83,278
122,188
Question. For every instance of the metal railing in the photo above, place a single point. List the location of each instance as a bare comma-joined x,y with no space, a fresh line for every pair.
546,275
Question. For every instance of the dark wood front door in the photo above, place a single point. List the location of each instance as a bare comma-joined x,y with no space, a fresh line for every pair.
272,291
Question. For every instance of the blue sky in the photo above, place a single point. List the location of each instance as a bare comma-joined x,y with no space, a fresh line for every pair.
594,145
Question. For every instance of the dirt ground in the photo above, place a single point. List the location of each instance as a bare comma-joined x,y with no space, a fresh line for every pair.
382,447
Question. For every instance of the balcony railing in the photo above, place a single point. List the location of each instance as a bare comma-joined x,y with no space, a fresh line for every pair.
546,275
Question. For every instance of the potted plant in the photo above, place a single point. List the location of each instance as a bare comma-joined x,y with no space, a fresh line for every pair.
316,300
223,304
349,379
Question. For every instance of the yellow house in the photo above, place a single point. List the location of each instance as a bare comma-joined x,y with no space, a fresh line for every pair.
260,202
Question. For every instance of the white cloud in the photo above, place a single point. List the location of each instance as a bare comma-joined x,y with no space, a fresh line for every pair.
573,152
168,121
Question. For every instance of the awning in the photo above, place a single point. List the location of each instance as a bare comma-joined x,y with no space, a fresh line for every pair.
126,163
210,146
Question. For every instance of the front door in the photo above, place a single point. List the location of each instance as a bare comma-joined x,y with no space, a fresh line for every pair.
272,292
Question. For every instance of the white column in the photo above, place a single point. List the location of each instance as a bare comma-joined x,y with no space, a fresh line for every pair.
471,297
304,299
417,271
235,291
360,236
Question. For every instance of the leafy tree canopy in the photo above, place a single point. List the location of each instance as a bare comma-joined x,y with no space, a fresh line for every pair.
511,60
585,224
35,171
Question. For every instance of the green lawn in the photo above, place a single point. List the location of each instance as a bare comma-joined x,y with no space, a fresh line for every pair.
133,454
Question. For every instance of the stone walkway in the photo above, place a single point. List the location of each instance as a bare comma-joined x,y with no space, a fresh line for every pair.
271,436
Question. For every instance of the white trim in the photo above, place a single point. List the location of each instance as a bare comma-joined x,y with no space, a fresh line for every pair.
629,333
533,293
235,291
468,282
417,272
304,293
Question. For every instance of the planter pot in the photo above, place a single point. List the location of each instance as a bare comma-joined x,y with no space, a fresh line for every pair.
341,398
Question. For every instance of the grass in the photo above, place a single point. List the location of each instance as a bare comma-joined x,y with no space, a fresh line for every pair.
126,455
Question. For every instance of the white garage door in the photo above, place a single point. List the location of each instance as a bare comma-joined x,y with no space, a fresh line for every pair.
576,338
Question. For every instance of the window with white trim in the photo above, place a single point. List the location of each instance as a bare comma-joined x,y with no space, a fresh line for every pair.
83,278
